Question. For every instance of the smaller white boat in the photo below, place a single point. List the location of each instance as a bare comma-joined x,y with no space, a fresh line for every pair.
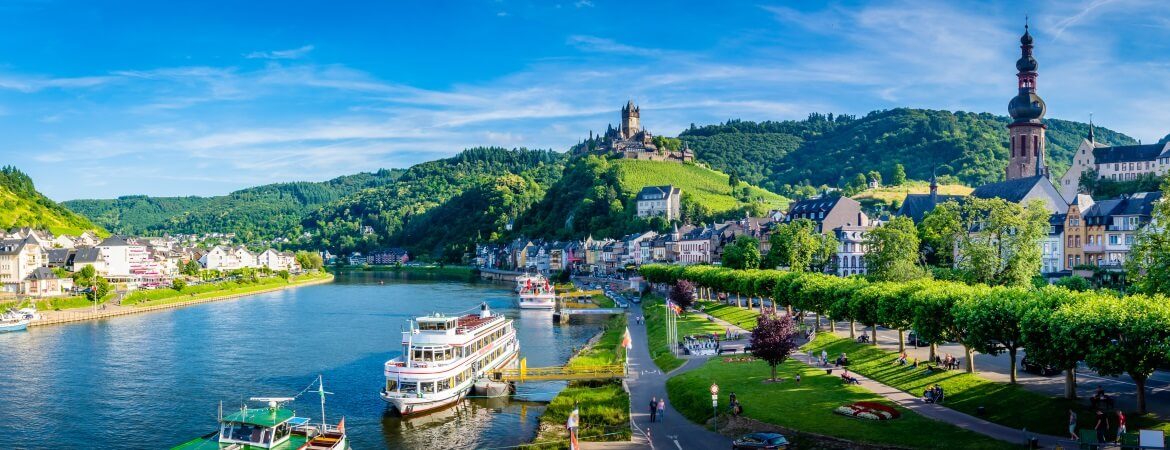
13,322
538,294
29,313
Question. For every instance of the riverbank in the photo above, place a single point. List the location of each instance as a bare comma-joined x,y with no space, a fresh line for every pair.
167,299
446,270
603,405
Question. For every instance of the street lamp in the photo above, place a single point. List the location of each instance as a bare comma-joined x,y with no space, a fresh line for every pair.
715,406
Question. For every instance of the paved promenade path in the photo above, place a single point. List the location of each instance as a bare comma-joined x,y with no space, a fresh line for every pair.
646,381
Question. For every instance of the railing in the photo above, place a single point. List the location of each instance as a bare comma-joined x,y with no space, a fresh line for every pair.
560,373
1094,248
1122,227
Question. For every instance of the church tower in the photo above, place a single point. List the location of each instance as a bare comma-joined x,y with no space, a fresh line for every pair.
1027,110
630,120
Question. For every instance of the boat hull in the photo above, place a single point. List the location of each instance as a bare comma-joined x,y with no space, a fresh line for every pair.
8,327
414,406
538,305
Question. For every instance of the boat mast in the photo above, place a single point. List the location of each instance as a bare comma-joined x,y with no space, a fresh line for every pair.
321,390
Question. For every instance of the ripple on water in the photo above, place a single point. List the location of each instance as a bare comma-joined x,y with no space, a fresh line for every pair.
157,378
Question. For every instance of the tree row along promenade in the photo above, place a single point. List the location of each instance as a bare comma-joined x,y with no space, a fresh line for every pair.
167,298
1111,334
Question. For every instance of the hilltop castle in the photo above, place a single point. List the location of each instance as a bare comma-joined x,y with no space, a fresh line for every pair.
629,140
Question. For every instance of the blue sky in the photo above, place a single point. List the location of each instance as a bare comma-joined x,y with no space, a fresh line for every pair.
202,98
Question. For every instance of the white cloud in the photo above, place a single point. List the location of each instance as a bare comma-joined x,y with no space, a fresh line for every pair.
583,4
295,53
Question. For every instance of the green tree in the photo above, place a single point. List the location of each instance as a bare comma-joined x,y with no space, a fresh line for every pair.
875,177
191,268
743,253
733,179
1122,335
178,284
997,242
992,320
1074,283
939,232
1050,339
795,245
1148,265
893,251
899,176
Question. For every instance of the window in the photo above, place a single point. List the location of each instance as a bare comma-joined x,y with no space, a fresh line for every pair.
1113,239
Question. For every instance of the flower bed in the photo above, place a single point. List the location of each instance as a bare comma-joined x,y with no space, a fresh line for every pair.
868,411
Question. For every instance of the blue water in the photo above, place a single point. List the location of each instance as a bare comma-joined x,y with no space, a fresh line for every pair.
156,380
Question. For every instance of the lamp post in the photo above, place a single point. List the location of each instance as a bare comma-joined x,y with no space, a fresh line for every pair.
715,406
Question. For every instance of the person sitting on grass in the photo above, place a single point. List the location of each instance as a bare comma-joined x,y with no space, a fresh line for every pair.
928,395
902,359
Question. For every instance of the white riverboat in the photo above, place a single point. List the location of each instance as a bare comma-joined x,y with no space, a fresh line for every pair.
538,294
444,356
524,280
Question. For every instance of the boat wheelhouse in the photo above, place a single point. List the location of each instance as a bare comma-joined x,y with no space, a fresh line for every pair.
443,356
524,280
13,322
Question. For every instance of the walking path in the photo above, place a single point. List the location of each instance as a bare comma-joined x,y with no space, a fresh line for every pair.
646,381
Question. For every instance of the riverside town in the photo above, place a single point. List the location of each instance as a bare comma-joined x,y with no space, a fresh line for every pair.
585,225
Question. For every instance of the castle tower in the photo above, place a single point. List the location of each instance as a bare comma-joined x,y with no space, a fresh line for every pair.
630,120
1027,110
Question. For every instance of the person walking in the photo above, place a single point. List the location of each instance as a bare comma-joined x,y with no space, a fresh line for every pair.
1072,425
1120,425
1102,426
653,409
661,409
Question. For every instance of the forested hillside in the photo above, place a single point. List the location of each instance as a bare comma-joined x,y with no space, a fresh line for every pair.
596,197
492,185
22,206
262,212
827,149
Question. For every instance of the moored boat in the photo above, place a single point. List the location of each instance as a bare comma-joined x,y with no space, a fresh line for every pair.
444,356
538,294
272,427
13,322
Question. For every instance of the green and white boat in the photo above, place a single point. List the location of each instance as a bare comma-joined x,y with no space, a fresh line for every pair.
272,427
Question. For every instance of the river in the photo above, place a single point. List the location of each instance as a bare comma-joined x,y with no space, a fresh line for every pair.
155,380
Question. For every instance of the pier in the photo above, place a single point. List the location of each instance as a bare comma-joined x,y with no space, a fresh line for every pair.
559,373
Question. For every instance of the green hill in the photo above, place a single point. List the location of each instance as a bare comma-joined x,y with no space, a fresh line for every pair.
830,150
262,212
439,208
22,206
595,196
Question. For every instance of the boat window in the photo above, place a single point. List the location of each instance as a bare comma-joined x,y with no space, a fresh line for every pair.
245,433
428,387
446,354
391,385
282,431
418,354
444,384
409,387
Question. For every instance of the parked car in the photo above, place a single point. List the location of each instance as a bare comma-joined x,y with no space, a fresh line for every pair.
913,339
1039,369
761,440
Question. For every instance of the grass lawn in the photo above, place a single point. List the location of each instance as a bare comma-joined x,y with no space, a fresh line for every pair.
809,406
607,350
691,324
605,406
163,296
58,303
740,317
1006,404
604,410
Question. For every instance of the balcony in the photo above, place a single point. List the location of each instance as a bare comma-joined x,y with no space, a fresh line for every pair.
1122,227
1094,248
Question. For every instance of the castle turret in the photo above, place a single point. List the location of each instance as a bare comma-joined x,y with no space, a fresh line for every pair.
631,116
1027,111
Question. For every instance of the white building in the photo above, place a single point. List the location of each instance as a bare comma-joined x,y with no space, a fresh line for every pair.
851,250
660,201
19,258
1120,163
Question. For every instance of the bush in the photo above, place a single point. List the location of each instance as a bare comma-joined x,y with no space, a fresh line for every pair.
178,284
